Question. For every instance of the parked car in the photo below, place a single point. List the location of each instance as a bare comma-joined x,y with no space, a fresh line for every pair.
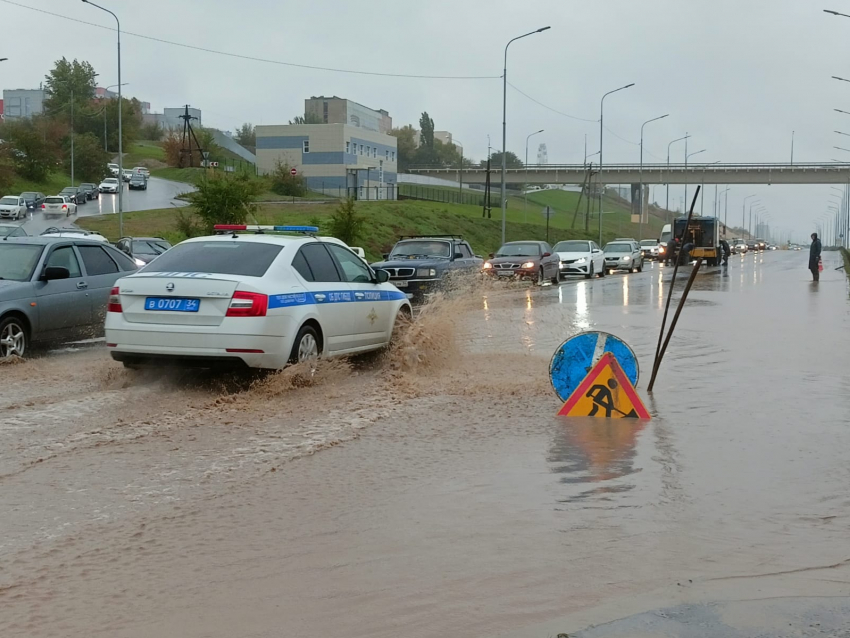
109,185
59,205
54,289
138,182
141,170
623,255
12,230
113,169
525,260
142,250
90,190
580,257
75,194
33,199
79,233
649,249
127,174
418,265
13,207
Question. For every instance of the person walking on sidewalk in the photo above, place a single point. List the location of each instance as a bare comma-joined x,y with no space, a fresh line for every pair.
814,257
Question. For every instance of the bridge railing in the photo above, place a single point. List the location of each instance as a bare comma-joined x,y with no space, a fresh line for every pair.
713,168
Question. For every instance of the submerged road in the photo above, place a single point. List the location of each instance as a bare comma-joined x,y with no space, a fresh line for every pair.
435,493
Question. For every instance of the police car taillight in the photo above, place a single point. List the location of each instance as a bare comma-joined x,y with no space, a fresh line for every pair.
114,300
248,304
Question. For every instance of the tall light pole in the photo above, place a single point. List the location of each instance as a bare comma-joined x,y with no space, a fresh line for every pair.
726,213
525,190
120,127
504,120
792,147
640,191
687,157
667,205
601,129
744,213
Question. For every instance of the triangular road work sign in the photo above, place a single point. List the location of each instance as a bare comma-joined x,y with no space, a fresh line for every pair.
606,392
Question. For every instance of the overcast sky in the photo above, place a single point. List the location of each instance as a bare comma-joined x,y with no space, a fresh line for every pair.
738,75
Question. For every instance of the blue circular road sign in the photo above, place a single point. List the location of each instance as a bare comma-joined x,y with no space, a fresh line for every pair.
576,356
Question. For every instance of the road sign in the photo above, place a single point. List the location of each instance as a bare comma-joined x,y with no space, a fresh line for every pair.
576,356
547,212
206,154
607,393
293,172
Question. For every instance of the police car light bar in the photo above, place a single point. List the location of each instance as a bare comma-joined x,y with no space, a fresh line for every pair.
279,229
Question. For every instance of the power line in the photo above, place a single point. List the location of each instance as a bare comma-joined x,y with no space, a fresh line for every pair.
256,59
546,106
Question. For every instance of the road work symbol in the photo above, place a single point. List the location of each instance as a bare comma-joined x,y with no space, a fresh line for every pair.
576,357
606,392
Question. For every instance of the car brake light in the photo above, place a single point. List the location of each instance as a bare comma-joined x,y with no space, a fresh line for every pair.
248,304
64,206
42,205
114,301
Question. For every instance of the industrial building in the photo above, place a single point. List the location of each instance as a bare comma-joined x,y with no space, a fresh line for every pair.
170,118
336,159
22,103
337,110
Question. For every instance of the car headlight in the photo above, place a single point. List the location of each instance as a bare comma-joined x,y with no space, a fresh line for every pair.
487,265
528,264
627,258
581,260
426,272
661,250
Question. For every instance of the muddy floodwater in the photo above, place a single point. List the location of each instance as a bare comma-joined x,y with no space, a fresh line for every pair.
433,492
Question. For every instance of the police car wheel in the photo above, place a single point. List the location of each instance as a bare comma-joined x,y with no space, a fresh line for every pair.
306,346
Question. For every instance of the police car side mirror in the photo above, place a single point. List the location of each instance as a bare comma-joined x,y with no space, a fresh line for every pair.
382,276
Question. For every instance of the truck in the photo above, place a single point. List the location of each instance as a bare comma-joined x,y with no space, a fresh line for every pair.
704,234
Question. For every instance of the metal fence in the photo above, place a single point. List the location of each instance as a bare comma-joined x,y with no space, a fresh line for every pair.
360,193
443,194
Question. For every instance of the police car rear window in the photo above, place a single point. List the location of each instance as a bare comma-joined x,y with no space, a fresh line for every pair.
250,259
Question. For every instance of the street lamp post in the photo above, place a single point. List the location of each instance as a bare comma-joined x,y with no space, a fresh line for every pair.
667,205
504,120
744,213
525,190
640,191
601,129
120,128
726,212
456,142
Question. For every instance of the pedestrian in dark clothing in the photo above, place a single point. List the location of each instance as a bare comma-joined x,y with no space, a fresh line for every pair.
686,253
724,245
670,252
814,257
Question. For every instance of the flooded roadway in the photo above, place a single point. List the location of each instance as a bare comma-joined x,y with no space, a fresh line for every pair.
434,493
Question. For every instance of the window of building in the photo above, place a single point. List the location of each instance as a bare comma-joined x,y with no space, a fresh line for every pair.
348,147
387,155
374,151
360,146
393,155
306,144
368,151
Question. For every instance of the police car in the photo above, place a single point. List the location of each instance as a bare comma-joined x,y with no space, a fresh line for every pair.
252,299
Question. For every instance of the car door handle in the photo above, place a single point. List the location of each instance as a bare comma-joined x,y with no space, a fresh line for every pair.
359,295
82,284
319,297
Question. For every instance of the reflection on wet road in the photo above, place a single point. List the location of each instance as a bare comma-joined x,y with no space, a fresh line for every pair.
444,499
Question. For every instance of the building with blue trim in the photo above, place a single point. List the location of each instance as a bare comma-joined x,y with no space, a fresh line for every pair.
336,159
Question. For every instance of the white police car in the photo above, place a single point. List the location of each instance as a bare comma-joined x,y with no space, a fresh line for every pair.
252,299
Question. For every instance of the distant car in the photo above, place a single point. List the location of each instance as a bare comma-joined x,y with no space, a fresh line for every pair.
752,245
623,254
54,289
109,185
762,244
78,233
127,174
525,260
138,182
75,194
59,205
12,230
738,246
13,207
649,248
580,257
33,199
90,190
113,169
141,170
142,250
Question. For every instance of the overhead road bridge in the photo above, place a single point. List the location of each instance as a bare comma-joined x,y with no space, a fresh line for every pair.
823,173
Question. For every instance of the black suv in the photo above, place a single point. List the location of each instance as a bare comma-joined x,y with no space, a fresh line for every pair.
419,264
91,190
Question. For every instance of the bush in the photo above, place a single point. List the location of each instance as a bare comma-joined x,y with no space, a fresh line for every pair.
224,199
152,131
188,224
89,158
345,223
284,183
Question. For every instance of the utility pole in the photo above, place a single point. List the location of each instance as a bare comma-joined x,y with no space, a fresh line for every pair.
72,137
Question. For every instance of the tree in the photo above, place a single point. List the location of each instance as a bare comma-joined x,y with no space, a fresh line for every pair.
426,126
90,119
225,199
66,78
345,223
406,146
89,158
245,135
307,118
33,152
152,131
511,161
285,183
7,167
